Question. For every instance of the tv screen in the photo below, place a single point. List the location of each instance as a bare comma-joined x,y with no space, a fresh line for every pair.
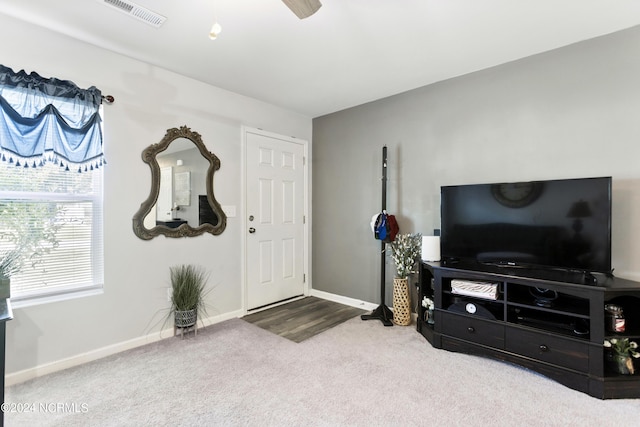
555,224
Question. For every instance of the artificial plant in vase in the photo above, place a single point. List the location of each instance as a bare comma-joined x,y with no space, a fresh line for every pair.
622,352
10,263
405,250
188,289
429,305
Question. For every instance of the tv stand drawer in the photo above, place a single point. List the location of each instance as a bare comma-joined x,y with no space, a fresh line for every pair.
473,329
548,348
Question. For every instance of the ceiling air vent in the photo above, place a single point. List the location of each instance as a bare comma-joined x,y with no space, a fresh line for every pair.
136,11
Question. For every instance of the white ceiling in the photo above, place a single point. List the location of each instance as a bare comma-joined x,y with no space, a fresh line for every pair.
348,53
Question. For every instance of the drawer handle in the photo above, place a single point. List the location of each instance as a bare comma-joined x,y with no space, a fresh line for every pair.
544,348
471,329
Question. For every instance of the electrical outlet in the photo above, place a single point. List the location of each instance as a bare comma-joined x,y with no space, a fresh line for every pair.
169,294
229,210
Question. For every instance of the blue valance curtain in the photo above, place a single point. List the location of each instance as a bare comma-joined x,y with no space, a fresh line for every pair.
49,120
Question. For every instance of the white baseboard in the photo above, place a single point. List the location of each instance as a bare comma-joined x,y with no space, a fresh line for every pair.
59,365
344,300
353,302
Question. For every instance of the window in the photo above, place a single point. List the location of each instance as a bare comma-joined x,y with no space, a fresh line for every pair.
55,217
50,185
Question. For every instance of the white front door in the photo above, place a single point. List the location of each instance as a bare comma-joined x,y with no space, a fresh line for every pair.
275,230
165,195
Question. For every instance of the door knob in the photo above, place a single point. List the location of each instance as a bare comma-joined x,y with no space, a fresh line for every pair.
252,230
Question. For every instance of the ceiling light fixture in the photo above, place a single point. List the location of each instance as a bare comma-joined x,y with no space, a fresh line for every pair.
216,29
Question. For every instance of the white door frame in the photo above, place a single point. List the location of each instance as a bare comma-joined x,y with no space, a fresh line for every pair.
306,208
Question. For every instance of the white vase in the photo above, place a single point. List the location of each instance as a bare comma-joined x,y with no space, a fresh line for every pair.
5,287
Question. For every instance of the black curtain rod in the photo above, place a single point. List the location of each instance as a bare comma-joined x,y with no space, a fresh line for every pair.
108,99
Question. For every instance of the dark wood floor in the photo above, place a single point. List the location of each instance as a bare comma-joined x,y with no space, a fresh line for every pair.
304,318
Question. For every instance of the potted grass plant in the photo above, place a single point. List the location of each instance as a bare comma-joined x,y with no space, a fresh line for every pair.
188,289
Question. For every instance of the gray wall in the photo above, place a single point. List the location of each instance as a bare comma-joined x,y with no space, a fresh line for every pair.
572,112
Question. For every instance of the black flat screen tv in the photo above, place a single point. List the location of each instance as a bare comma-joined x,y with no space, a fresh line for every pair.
562,225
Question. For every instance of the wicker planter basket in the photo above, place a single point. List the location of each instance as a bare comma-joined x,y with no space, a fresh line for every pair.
401,303
185,319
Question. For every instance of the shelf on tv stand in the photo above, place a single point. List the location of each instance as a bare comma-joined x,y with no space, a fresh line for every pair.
563,341
511,269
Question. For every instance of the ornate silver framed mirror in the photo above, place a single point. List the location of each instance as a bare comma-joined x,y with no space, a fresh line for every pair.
181,202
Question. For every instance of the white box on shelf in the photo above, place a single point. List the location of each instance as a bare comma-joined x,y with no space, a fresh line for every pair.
473,288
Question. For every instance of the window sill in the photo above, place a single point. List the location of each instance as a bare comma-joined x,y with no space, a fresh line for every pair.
28,301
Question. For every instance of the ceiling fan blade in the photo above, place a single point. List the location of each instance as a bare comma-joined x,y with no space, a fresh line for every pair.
303,8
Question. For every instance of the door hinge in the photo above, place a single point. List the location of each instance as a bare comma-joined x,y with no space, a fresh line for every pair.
304,160
304,219
304,278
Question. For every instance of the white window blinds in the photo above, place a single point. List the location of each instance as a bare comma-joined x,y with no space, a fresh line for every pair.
55,218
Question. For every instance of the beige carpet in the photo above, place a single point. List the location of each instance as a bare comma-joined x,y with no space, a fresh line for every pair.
355,374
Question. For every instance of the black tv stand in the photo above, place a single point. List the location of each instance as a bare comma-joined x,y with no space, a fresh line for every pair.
562,340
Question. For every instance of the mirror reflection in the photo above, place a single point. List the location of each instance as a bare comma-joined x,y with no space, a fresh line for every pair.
181,202
182,198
